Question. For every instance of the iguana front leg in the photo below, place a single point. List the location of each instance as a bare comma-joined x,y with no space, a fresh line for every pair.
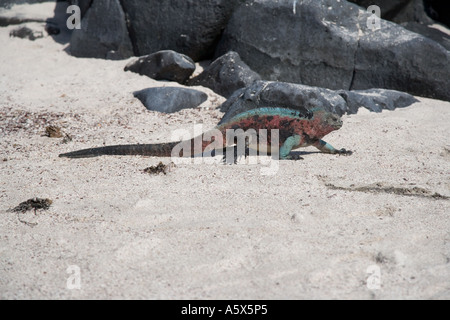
291,143
328,148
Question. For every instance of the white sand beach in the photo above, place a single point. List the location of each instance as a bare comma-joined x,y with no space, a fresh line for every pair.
374,225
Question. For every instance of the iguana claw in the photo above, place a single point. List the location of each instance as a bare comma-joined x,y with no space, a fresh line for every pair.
294,157
345,152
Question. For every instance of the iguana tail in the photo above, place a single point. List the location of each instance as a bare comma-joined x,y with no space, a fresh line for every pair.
186,148
156,150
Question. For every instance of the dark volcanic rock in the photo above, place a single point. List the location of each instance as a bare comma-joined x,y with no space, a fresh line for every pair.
263,94
226,75
303,98
52,29
434,34
414,15
103,33
389,8
83,4
164,65
414,11
394,58
274,39
170,99
399,11
312,44
376,100
191,27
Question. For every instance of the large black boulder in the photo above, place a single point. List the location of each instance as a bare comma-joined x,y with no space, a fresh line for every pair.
399,11
419,11
412,15
226,75
430,32
103,33
191,27
329,44
389,8
394,58
263,94
300,42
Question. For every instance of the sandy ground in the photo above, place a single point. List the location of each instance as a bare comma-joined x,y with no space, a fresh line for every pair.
375,225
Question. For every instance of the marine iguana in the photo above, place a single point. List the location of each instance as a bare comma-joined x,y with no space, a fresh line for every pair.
295,129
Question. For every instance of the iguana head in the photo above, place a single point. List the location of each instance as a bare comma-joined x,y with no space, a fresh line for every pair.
324,123
332,120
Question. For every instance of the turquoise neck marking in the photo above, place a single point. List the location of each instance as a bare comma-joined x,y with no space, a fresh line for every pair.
281,112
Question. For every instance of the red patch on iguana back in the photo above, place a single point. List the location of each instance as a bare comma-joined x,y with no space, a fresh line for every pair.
308,129
315,128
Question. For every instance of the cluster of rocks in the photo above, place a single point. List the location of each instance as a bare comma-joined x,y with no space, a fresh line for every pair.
324,43
224,76
245,90
302,53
